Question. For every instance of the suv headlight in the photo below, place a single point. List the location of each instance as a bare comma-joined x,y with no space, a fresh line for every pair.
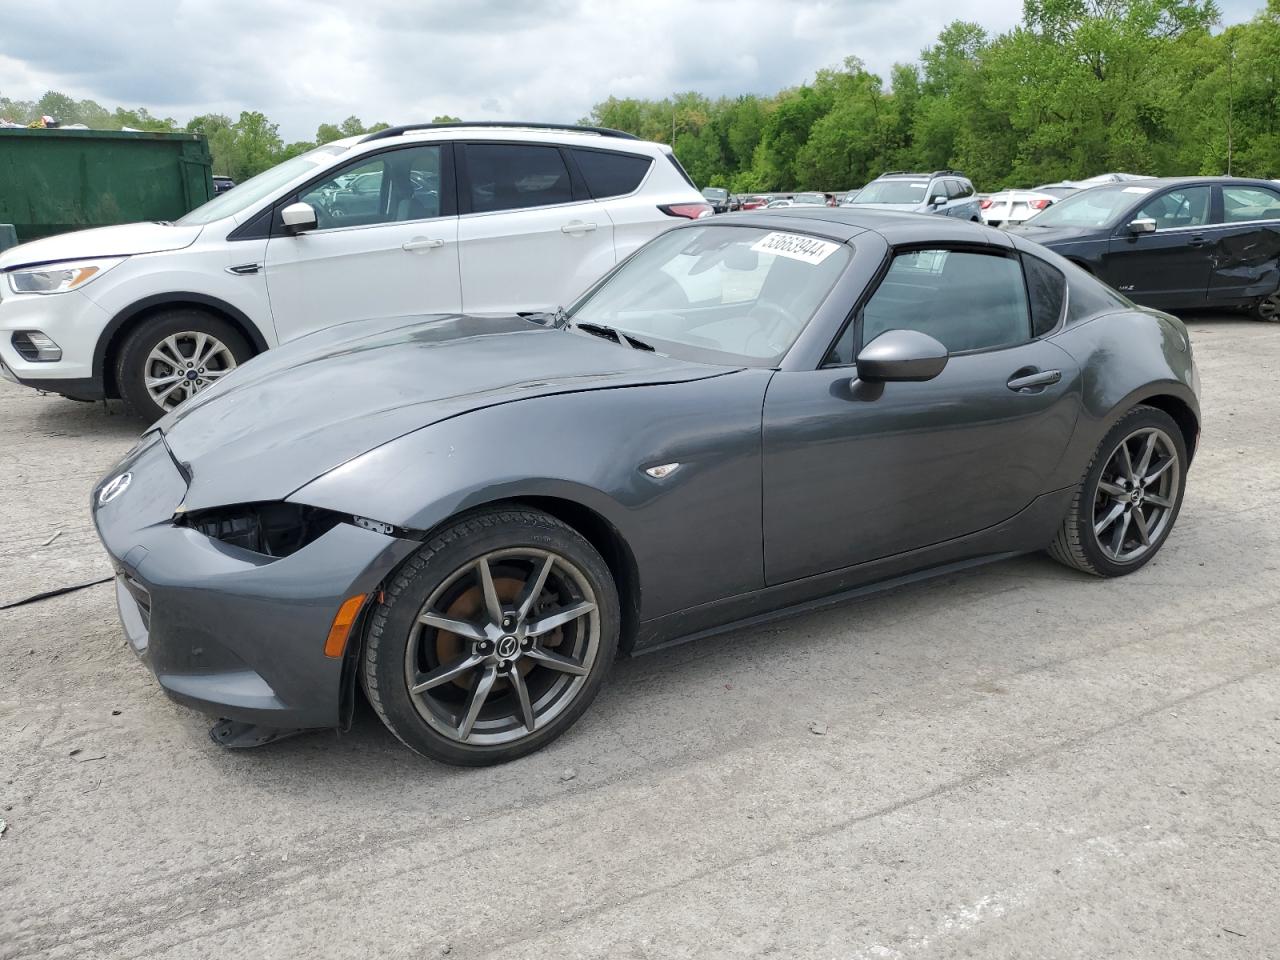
60,277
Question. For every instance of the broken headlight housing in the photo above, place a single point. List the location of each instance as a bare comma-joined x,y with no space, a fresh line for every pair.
275,529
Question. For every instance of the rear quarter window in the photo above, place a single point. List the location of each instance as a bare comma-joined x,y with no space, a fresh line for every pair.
1090,297
611,174
1047,291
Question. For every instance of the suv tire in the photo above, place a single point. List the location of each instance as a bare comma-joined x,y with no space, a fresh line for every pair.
173,355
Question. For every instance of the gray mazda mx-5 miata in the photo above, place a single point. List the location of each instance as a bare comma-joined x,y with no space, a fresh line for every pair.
470,518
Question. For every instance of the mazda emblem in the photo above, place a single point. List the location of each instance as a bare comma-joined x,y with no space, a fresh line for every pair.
116,486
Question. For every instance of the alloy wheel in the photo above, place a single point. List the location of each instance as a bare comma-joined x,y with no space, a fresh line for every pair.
503,646
1136,493
183,364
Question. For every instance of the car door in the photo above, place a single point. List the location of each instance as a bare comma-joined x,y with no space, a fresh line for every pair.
964,203
1169,267
529,235
1246,262
855,471
385,244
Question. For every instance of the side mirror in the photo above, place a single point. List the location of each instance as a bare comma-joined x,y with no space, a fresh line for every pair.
937,200
1143,225
298,217
901,355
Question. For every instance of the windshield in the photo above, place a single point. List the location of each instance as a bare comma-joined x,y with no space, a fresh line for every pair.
258,188
893,191
1096,207
718,294
811,198
715,193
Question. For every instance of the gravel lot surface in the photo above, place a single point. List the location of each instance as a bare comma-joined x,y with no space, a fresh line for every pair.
1019,761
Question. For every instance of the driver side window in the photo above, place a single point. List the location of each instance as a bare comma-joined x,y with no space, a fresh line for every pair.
1186,207
965,300
393,187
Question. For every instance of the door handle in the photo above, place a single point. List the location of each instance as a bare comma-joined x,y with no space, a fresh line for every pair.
421,243
1032,380
577,226
1197,242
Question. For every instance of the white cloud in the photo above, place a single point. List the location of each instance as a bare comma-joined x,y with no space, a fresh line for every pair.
303,62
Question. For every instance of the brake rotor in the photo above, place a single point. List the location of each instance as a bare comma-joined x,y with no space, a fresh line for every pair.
469,605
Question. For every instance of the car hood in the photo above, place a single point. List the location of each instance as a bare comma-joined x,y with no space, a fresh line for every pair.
297,412
124,240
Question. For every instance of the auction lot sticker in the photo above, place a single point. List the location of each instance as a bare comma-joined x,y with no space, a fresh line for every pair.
795,246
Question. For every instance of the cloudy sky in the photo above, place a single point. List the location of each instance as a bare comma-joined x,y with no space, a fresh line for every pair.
303,62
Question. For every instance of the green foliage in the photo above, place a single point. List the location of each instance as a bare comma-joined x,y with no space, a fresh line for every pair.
1079,87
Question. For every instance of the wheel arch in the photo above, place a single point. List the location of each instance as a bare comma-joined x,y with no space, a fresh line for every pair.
113,336
610,543
1182,414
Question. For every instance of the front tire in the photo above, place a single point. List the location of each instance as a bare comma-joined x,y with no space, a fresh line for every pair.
1129,498
173,355
492,639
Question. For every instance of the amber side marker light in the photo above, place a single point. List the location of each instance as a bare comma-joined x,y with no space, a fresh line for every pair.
336,644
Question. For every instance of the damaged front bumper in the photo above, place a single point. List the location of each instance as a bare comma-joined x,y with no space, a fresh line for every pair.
226,630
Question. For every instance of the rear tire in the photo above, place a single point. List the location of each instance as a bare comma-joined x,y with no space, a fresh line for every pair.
471,674
1267,309
173,355
1128,499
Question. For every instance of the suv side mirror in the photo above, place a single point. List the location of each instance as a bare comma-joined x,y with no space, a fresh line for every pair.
901,355
298,217
1142,225
937,199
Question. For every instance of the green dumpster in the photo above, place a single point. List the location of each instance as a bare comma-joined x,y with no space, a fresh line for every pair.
53,181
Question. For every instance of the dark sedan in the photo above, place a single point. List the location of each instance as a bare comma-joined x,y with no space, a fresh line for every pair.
1176,244
470,518
718,197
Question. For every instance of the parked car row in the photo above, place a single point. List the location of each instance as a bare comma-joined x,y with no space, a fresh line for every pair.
1176,244
1012,207
493,219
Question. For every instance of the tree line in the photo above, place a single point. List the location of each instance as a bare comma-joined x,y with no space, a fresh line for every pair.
1078,87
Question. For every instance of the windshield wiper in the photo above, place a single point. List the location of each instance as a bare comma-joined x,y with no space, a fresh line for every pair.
609,333
598,330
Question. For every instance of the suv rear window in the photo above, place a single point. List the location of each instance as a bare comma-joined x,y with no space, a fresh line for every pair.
511,176
611,174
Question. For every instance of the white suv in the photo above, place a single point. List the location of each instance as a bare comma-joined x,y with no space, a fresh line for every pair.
431,218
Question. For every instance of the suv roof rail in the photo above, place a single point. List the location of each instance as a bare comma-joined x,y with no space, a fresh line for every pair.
496,124
947,173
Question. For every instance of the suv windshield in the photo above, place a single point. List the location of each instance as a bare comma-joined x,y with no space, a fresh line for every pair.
260,187
893,191
718,294
1095,207
715,193
810,198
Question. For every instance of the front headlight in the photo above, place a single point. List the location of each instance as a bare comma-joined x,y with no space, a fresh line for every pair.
60,277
